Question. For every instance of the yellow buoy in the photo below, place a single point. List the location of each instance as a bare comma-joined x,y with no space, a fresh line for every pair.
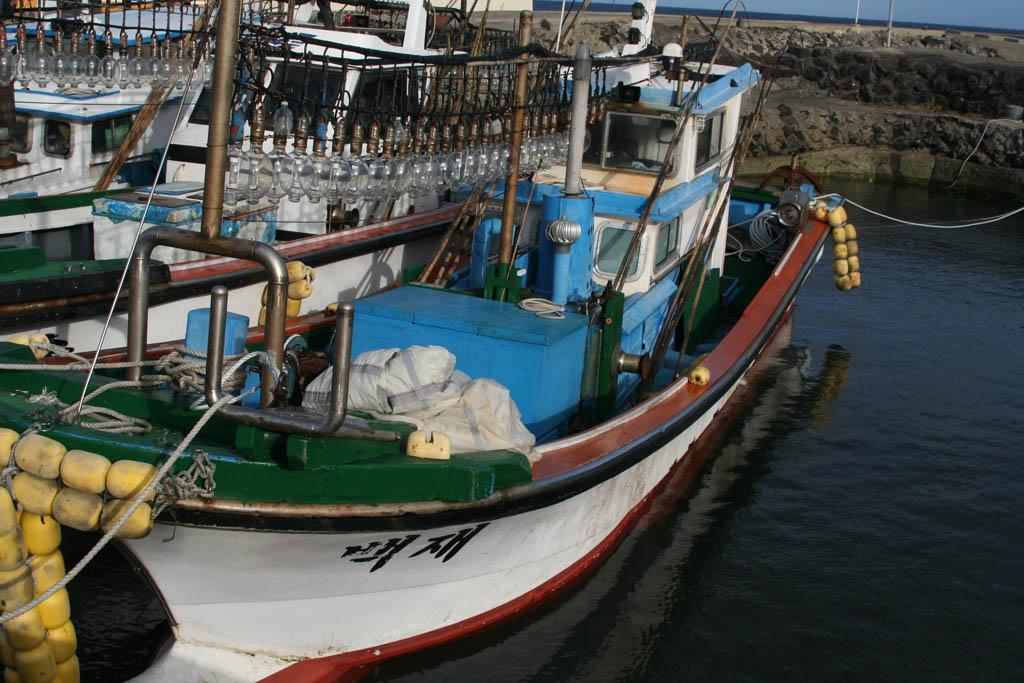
63,641
292,309
11,675
839,251
852,248
6,651
77,509
7,439
8,515
127,478
855,278
297,271
851,232
841,266
137,526
16,587
42,533
26,631
35,494
12,549
36,665
56,609
854,264
67,671
85,471
820,213
837,216
40,455
838,235
844,283
700,375
300,289
47,570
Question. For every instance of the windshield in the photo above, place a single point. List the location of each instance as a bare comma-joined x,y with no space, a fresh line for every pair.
632,142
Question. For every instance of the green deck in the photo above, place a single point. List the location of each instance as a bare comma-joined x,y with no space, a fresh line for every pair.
254,465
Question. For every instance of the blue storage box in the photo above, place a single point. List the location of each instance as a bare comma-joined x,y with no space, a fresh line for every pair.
539,360
197,331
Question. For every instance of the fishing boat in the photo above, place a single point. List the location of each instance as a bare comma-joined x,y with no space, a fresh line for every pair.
481,436
62,277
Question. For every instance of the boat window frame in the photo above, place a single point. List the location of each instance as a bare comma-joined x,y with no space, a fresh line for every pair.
701,166
672,255
641,256
16,145
605,127
70,140
110,121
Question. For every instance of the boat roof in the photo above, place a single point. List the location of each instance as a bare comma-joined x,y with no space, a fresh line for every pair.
730,82
81,105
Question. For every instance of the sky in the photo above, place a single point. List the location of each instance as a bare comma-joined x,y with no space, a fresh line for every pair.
993,14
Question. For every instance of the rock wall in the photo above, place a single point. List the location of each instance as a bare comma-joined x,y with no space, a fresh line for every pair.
915,77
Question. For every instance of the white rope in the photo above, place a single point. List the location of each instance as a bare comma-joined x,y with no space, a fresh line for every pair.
968,158
949,226
164,469
543,308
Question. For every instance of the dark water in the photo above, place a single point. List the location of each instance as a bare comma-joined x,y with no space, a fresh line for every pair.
860,519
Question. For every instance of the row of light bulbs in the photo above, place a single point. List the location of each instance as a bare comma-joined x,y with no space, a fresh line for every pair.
42,64
253,175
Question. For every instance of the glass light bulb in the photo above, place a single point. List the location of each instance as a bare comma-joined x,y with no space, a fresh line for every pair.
110,72
284,173
341,173
315,182
378,178
359,180
42,68
137,72
92,70
8,66
283,121
470,166
403,176
261,175
236,176
303,167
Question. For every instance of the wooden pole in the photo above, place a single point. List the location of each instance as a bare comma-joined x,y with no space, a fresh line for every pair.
512,180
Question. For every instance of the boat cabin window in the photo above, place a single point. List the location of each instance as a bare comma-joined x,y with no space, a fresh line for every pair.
57,137
376,90
667,243
108,134
631,142
21,133
709,140
612,241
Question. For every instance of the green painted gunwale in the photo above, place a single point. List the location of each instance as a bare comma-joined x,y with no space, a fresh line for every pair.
339,471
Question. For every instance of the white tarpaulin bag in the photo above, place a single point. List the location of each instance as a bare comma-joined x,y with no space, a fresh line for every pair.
420,385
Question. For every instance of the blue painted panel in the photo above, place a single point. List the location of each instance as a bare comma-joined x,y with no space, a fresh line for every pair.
540,361
581,255
716,94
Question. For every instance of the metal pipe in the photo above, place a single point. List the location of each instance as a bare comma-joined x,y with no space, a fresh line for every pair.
289,421
578,118
512,180
264,254
220,112
888,34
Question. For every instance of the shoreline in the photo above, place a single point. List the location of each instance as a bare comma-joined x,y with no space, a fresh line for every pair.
852,108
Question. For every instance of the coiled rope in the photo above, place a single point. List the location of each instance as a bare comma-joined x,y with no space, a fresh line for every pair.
543,308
